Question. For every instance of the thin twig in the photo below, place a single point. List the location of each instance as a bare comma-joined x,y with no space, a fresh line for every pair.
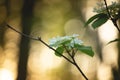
113,20
39,39
74,51
75,63
25,35
67,51
72,56
54,50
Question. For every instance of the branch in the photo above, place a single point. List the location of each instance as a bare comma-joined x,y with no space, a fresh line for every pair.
39,39
72,54
113,20
67,51
75,63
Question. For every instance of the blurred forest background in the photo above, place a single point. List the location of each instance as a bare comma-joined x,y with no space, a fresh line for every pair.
25,59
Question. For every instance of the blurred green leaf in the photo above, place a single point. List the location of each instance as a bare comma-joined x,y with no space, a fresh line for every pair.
97,20
93,18
59,51
115,40
86,49
100,21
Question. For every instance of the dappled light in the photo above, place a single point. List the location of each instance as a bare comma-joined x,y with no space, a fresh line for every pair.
104,72
23,56
6,74
107,32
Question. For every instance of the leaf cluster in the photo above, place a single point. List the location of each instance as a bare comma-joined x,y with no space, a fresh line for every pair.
70,44
104,14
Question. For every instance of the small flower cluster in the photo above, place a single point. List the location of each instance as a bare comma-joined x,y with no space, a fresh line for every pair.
69,41
114,9
69,44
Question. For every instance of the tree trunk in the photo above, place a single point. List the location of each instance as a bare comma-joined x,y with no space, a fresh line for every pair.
27,22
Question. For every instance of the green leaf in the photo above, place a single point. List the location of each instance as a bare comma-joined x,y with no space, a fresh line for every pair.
115,40
93,18
86,49
100,21
59,51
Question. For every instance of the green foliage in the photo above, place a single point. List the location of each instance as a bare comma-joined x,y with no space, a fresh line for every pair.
97,20
102,14
60,50
85,49
100,21
114,9
69,43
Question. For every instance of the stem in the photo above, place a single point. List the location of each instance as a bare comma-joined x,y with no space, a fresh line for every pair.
25,35
74,51
67,51
39,39
79,69
55,50
74,62
115,24
113,20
